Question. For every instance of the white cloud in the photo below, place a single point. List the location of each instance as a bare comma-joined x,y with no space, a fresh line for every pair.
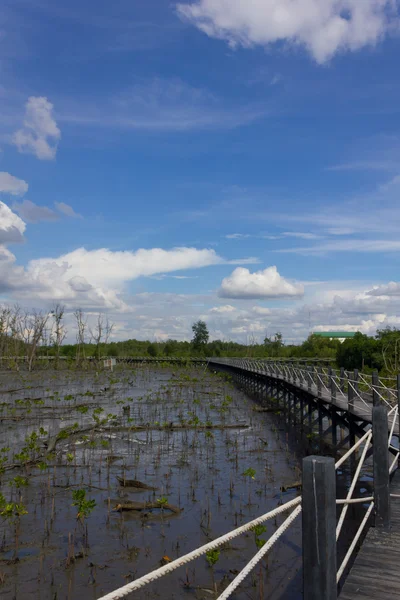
352,245
11,226
67,210
391,289
220,310
261,284
302,236
323,27
40,134
261,311
92,278
237,236
103,267
32,213
12,185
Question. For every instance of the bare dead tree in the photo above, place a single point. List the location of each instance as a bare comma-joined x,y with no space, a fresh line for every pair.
32,330
59,331
5,313
108,329
101,333
14,329
81,324
96,334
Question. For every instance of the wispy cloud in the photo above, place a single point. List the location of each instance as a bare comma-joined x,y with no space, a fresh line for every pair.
67,210
33,213
164,105
352,245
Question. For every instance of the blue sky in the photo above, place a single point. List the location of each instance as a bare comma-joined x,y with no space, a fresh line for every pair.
260,139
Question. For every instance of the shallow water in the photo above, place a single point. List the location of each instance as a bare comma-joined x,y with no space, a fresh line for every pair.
195,468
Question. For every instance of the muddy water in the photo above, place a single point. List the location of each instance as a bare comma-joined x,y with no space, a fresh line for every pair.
201,436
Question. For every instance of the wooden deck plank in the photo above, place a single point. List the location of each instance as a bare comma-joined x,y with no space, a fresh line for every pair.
375,572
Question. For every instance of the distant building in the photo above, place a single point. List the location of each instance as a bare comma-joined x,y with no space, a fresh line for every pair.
335,335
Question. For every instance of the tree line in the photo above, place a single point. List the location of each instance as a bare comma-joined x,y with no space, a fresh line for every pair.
43,333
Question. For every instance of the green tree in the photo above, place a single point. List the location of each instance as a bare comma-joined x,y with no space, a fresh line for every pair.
274,346
152,350
200,334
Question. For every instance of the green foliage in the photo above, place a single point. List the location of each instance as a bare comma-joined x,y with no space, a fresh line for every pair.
250,473
163,501
212,557
11,511
200,334
84,505
19,482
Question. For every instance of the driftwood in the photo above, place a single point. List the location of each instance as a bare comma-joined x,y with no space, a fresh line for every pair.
146,506
135,483
296,485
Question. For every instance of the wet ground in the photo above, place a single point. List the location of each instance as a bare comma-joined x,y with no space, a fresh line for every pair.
66,436
200,436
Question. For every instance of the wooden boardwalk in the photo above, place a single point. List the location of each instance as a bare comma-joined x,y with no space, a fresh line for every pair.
375,572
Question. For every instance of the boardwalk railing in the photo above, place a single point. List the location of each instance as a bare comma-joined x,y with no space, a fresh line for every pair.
351,389
322,522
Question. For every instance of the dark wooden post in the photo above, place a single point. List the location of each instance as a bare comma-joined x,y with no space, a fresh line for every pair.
355,377
342,379
319,383
319,528
333,385
375,383
350,393
381,466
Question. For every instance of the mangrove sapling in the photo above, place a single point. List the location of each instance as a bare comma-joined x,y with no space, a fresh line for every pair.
12,513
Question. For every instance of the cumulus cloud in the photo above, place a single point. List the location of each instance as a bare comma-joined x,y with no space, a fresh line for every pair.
40,134
12,185
97,277
322,27
106,268
67,210
32,213
11,226
261,284
391,289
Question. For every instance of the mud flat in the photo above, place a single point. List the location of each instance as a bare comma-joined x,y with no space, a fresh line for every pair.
72,446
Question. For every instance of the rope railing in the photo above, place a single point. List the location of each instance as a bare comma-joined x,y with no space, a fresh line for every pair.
362,387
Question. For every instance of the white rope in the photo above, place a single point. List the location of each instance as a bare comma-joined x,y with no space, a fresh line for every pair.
354,500
260,554
354,542
175,564
352,449
393,465
353,485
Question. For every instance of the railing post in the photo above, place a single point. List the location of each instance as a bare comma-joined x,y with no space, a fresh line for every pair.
333,385
319,382
319,528
356,379
375,384
309,378
350,392
342,379
381,466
